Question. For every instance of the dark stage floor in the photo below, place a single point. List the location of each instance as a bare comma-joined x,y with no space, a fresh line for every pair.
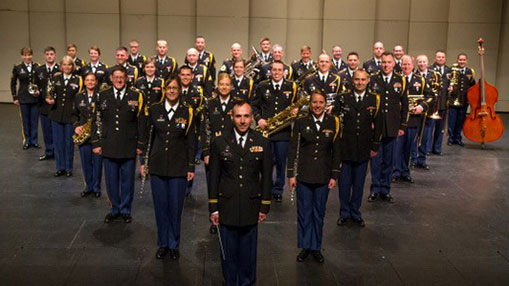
449,228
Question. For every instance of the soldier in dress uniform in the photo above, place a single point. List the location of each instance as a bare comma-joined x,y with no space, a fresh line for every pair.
96,67
202,78
398,53
84,110
151,85
45,73
216,120
347,75
338,65
265,70
304,64
205,57
408,143
121,59
393,109
135,58
72,51
435,139
324,80
361,132
265,52
374,64
171,164
166,66
239,194
236,53
27,97
313,169
117,137
243,86
273,96
67,85
458,112
419,158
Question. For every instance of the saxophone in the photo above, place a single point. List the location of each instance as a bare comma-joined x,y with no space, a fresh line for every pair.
79,139
283,118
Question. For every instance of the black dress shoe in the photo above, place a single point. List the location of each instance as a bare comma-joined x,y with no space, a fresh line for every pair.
26,146
423,166
461,144
213,229
36,146
437,153
127,218
97,195
278,198
197,161
59,173
110,217
85,193
449,143
46,157
174,254
395,179
303,255
317,255
360,222
387,198
68,174
407,179
342,221
413,165
373,197
161,252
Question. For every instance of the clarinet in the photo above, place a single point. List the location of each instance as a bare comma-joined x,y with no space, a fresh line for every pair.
145,162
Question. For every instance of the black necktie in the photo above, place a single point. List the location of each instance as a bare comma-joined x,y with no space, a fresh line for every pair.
358,98
387,80
170,113
90,98
378,63
408,79
276,87
238,82
119,98
241,139
318,124
223,106
66,80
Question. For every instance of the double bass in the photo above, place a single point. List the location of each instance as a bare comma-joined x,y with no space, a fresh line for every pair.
482,124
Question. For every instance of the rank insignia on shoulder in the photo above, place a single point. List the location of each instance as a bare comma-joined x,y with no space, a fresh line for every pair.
256,149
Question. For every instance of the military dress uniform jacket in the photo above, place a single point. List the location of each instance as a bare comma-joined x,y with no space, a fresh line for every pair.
346,79
174,141
83,108
42,76
371,67
243,90
153,93
361,125
132,75
314,155
393,102
264,73
101,73
227,67
207,59
202,79
64,96
331,87
268,103
337,70
444,86
20,72
138,62
418,85
79,63
215,122
165,67
466,80
240,178
194,98
122,123
299,68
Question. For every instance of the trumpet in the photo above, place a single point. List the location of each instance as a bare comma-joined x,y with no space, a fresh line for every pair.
435,87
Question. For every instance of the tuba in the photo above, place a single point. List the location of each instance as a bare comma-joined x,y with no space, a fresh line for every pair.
50,89
252,67
283,118
413,101
32,89
454,96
